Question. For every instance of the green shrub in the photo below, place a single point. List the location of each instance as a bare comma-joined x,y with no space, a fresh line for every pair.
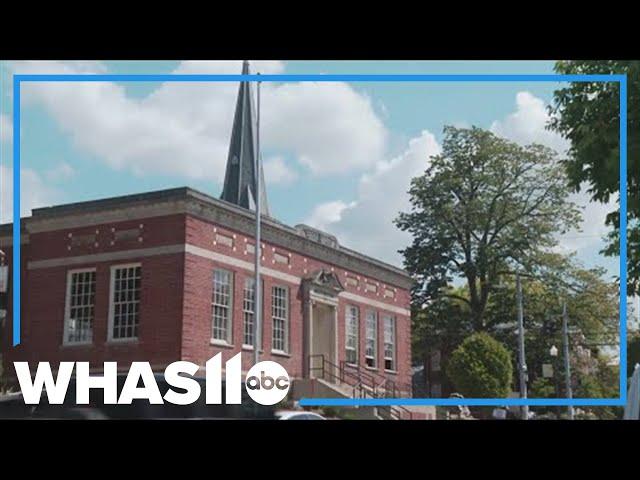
481,367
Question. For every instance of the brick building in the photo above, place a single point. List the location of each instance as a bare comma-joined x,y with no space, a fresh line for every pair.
168,275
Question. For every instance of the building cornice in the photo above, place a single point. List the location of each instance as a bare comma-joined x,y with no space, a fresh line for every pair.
199,205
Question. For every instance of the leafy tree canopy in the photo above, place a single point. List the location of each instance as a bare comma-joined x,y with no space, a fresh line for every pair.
588,115
592,307
484,206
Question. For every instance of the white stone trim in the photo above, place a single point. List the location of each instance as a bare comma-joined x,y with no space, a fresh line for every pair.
236,262
375,303
105,257
201,252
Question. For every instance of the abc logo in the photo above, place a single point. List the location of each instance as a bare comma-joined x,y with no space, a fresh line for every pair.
267,382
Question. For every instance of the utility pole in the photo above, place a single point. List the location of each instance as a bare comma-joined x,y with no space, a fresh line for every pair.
522,364
257,287
567,362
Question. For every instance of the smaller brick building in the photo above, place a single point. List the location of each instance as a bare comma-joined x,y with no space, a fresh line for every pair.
169,275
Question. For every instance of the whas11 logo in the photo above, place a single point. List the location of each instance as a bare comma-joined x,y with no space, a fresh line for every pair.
267,382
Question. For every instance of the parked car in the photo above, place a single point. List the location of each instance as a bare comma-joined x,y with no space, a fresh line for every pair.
298,415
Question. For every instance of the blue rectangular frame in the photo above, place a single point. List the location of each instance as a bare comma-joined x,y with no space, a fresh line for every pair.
621,79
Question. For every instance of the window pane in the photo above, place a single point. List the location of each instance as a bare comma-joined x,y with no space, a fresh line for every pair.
351,337
248,307
371,339
389,342
79,322
280,318
221,305
126,297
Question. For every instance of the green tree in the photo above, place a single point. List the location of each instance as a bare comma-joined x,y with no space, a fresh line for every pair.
588,115
484,205
602,382
592,308
441,324
481,367
542,388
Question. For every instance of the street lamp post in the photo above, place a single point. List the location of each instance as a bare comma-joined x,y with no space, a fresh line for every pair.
257,340
567,363
522,364
553,351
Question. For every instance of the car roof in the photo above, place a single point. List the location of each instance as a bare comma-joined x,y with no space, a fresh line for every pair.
290,413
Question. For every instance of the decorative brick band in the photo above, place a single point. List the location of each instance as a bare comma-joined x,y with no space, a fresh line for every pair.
201,252
219,257
105,257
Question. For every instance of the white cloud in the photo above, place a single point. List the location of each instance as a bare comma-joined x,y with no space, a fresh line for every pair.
6,128
527,125
367,224
183,129
35,192
276,171
331,128
326,214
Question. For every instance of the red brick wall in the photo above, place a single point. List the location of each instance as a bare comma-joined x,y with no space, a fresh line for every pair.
175,326
197,318
198,291
44,294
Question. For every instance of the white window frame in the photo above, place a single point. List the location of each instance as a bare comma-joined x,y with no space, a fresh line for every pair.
112,282
229,337
394,341
352,314
67,309
286,319
245,312
367,337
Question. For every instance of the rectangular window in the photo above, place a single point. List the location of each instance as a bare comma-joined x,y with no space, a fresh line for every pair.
351,343
389,343
81,292
221,305
371,348
280,316
124,317
248,309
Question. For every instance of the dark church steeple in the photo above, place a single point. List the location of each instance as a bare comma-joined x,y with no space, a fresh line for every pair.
240,178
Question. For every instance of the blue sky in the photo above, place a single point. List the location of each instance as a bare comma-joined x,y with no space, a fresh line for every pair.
338,156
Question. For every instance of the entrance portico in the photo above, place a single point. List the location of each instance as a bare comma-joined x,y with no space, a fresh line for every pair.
321,291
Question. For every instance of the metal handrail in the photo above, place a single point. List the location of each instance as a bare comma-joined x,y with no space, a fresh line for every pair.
358,385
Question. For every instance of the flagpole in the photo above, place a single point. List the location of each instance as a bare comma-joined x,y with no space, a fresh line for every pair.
258,250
